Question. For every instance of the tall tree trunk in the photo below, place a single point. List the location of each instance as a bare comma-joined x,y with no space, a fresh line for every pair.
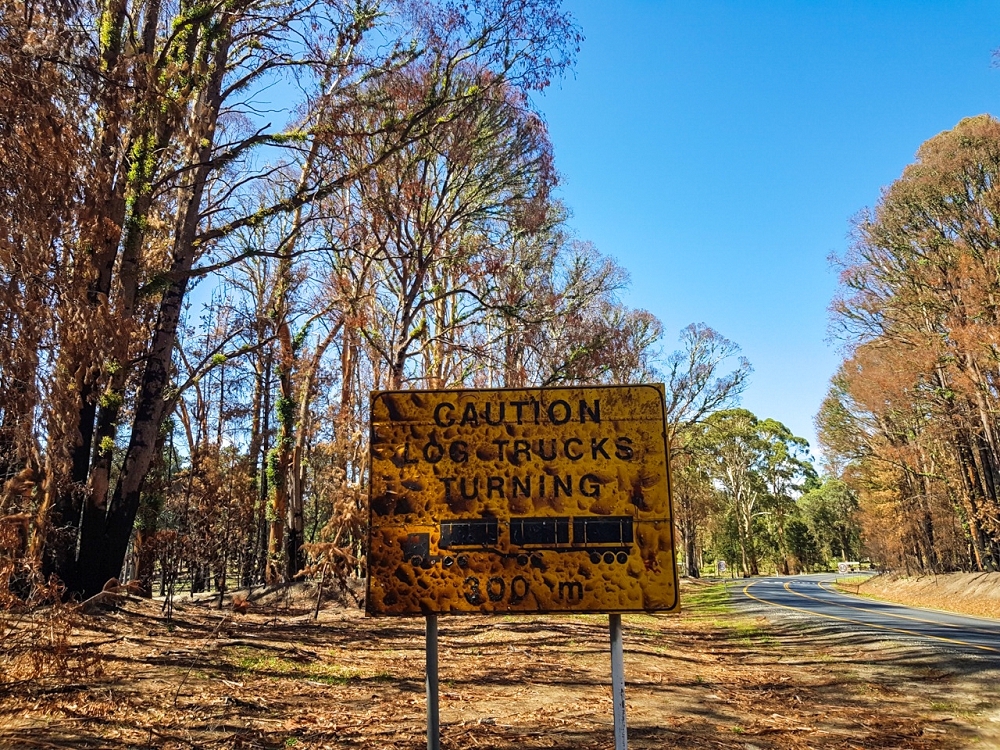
106,530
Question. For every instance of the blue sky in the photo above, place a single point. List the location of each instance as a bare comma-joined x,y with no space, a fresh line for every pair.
719,149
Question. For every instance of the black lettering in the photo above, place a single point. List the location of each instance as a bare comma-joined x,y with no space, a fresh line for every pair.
573,456
501,447
623,448
521,447
437,414
590,486
541,450
519,405
566,412
496,588
519,582
566,486
463,490
541,486
469,416
487,414
571,590
474,595
595,413
494,483
537,407
433,452
459,451
518,486
597,446
447,486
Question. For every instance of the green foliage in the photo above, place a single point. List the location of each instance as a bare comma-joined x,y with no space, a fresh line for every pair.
141,163
802,543
760,467
831,512
285,410
111,400
106,446
150,508
299,339
157,285
275,477
292,136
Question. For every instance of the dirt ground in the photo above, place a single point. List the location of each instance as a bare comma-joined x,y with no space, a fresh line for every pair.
276,678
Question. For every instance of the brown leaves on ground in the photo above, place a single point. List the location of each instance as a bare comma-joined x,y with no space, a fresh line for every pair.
276,678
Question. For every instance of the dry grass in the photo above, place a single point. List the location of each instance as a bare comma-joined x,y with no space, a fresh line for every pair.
276,678
966,593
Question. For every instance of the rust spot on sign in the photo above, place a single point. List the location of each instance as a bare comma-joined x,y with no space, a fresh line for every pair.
520,500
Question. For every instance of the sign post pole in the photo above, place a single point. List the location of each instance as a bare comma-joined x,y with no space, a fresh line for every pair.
618,682
433,718
467,511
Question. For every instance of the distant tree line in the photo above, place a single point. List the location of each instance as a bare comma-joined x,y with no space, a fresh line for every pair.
746,493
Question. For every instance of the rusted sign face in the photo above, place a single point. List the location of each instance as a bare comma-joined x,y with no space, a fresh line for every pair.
533,500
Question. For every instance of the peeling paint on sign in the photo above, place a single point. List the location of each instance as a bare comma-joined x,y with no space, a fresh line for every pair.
520,500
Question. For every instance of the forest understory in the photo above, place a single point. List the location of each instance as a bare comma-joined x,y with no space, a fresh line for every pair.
275,677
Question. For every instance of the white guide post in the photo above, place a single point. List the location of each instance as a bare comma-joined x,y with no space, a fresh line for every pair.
433,719
618,682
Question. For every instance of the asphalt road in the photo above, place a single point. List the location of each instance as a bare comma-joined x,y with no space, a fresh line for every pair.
814,596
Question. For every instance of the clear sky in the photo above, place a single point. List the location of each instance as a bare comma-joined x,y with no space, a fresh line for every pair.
719,149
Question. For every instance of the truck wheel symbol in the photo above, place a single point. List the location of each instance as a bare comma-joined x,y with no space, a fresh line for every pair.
622,557
448,561
609,557
595,557
463,561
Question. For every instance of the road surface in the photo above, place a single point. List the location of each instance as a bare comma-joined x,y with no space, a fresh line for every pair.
814,596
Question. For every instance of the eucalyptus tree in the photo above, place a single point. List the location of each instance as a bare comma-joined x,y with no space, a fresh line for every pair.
831,510
434,210
786,470
755,463
697,386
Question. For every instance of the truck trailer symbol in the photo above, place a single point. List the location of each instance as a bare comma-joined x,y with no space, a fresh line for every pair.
604,538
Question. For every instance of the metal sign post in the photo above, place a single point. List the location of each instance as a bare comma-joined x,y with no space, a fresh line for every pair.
618,681
522,500
433,716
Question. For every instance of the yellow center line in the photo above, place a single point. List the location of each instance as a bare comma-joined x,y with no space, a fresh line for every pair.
905,617
746,591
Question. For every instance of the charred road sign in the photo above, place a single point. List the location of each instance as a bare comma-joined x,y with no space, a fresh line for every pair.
533,500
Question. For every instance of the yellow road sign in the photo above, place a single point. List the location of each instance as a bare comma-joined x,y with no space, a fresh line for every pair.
520,500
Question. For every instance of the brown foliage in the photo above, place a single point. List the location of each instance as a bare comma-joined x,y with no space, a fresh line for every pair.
914,406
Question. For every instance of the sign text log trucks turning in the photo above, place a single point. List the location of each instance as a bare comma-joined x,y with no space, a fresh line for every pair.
520,500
